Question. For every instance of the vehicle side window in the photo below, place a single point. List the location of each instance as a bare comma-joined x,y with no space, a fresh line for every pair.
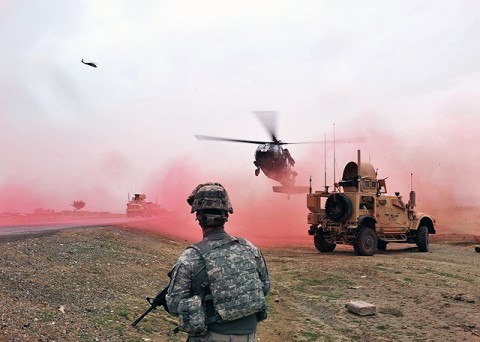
367,202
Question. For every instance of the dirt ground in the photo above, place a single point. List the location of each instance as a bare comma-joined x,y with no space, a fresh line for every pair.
90,284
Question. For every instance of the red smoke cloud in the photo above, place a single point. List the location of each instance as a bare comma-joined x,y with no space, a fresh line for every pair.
259,214
442,155
18,196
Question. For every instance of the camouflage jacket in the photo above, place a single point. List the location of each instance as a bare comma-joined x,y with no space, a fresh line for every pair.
190,265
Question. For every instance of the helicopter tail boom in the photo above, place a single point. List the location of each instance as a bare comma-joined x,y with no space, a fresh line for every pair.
291,190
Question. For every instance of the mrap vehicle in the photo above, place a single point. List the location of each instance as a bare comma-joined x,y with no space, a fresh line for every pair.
359,212
138,206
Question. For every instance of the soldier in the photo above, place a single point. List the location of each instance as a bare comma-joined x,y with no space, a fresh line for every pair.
288,156
218,285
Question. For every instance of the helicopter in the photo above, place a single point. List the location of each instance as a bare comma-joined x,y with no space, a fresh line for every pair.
93,65
271,158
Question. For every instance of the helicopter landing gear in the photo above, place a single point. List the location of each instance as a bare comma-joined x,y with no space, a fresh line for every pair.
257,171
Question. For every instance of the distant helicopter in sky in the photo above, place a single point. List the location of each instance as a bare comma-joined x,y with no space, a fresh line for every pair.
89,63
271,158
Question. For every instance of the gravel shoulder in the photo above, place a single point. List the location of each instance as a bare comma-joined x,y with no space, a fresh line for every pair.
90,284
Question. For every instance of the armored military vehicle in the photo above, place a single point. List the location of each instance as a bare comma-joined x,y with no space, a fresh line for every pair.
359,212
138,206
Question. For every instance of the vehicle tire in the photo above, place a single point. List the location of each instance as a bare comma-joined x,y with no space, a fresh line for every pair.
422,239
322,245
366,241
477,249
338,207
382,245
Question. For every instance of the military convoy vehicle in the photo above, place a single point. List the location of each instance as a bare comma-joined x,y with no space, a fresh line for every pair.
359,212
139,207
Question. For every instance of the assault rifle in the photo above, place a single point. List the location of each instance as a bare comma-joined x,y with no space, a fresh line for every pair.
154,303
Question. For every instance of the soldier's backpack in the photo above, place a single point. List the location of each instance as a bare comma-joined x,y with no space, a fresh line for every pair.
233,282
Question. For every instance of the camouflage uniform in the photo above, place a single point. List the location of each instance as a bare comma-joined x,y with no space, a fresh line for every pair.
189,273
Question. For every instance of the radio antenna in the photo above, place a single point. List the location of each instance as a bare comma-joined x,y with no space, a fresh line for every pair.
325,156
334,158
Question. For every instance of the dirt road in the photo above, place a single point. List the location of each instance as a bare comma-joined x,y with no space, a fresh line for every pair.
89,285
419,296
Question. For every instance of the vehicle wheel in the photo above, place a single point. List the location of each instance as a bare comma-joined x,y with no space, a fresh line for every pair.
422,239
382,245
477,249
322,245
338,207
366,241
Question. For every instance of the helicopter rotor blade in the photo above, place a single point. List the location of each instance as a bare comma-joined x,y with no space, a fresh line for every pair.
208,137
269,121
336,141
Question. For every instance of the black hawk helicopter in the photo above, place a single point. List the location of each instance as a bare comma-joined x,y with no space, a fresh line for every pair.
270,157
93,65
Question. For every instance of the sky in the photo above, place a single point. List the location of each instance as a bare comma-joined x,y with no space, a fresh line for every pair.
404,75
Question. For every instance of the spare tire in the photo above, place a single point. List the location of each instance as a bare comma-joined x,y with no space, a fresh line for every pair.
338,207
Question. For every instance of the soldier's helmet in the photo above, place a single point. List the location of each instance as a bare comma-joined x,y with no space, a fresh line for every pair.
210,197
211,203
